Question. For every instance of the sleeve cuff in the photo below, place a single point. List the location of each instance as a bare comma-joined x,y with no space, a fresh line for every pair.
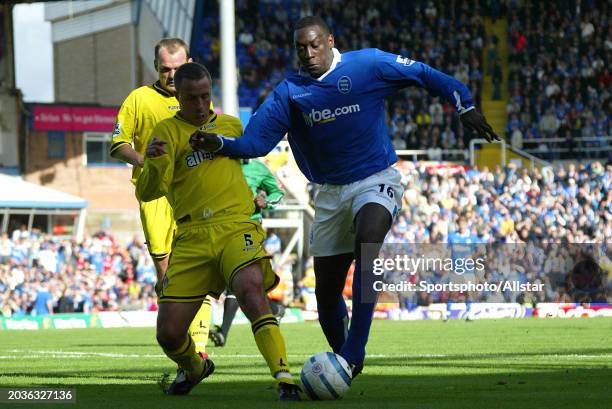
464,110
223,140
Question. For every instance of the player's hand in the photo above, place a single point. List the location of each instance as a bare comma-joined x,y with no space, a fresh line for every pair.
156,148
260,202
475,121
204,141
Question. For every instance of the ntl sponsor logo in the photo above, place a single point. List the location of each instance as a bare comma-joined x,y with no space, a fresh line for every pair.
327,115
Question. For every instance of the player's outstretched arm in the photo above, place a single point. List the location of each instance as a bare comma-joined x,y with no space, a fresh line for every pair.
266,128
403,70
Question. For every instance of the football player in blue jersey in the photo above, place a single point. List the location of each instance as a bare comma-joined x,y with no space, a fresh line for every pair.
334,114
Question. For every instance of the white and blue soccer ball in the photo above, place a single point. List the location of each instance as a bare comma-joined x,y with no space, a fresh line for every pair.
326,376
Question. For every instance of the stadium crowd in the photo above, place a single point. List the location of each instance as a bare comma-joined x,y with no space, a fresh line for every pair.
527,214
42,274
534,226
559,76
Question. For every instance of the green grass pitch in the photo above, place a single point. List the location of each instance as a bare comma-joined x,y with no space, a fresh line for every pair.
509,363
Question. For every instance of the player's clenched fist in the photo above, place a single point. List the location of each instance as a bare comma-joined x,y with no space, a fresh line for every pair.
204,141
156,148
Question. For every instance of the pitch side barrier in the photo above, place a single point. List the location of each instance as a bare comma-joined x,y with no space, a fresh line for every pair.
438,311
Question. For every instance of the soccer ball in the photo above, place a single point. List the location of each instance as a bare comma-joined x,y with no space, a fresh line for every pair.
326,376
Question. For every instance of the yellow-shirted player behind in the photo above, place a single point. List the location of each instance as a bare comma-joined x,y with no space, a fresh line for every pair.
141,111
217,245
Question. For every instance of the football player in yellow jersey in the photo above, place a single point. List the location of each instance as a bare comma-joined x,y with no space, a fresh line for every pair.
140,112
217,245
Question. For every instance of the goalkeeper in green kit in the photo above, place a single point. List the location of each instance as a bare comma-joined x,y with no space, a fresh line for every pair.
267,194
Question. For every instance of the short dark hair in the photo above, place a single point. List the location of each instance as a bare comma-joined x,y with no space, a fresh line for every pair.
172,45
190,71
310,21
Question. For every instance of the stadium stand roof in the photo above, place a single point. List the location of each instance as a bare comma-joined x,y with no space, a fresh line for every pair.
17,193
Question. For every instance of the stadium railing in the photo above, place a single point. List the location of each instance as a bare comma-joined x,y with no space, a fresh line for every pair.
499,154
434,154
296,218
577,149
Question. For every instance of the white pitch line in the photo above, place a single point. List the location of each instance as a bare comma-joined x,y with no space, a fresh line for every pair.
68,354
84,353
42,353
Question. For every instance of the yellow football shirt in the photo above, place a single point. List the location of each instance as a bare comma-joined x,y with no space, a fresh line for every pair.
198,185
143,108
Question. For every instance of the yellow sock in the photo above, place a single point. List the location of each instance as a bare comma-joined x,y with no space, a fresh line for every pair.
272,346
187,358
200,326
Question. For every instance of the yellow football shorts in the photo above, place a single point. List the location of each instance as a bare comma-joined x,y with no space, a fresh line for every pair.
158,225
205,257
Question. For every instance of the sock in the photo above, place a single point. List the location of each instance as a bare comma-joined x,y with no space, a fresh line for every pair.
230,307
201,325
353,349
272,346
187,358
334,323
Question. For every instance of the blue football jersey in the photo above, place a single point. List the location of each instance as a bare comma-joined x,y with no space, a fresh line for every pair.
336,123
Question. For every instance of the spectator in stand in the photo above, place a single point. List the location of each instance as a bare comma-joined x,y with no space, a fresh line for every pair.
43,303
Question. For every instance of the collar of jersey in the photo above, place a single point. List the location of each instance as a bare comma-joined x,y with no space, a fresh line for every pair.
212,118
157,87
335,61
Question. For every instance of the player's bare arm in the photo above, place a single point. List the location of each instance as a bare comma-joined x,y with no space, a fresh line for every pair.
129,155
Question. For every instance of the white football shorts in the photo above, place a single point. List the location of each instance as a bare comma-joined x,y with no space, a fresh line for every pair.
333,230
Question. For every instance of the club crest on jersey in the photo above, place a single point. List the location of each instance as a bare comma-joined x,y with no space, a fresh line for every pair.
197,157
404,60
345,85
